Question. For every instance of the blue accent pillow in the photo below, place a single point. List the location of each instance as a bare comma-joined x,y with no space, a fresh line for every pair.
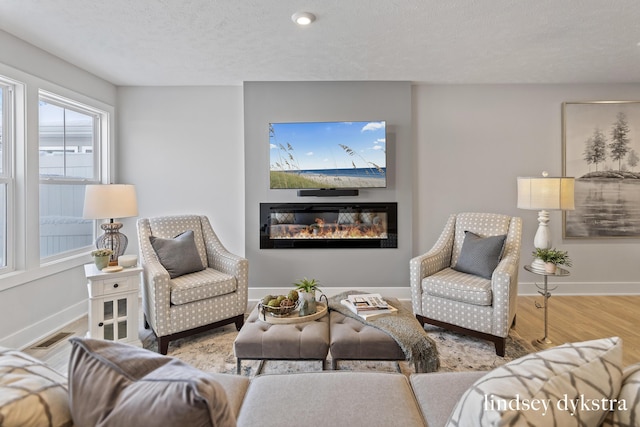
480,255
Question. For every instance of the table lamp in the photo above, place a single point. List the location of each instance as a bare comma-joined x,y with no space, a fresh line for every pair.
545,193
109,201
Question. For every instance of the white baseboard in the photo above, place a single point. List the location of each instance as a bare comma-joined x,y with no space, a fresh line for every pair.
44,328
575,288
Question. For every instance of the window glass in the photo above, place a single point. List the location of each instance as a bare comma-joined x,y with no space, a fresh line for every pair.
69,155
66,143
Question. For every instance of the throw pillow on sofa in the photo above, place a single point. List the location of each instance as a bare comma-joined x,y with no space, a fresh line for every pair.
31,393
114,384
562,386
629,396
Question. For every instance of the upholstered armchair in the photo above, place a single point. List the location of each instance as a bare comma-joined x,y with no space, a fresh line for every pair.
446,289
191,283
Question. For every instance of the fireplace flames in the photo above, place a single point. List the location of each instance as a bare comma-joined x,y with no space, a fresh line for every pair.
322,230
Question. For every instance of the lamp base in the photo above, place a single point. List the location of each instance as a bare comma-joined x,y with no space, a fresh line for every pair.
112,239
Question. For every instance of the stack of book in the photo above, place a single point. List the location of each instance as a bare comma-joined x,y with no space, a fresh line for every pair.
368,306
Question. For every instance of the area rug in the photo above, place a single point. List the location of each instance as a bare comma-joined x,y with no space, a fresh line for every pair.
212,351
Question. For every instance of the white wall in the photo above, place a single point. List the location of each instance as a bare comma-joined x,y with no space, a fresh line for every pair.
183,150
36,300
472,141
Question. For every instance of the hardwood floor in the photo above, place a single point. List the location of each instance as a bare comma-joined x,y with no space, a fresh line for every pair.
571,319
583,318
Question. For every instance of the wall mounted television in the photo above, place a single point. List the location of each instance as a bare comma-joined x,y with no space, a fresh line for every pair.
328,155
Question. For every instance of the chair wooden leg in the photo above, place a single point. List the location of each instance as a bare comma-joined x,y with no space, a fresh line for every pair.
500,344
163,345
146,324
239,322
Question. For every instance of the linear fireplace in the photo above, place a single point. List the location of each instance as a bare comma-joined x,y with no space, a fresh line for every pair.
328,225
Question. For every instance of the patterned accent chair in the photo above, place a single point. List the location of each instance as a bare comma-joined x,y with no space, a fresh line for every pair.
194,302
473,305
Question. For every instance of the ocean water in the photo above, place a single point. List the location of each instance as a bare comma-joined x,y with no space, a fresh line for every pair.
354,172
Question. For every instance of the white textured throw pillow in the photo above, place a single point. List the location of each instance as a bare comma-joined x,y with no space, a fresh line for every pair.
570,385
629,414
32,394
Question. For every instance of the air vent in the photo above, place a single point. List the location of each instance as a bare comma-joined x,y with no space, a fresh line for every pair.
54,339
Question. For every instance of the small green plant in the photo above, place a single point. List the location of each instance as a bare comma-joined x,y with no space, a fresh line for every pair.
101,252
553,256
307,285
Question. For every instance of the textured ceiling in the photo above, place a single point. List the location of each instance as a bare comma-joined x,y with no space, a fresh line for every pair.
213,42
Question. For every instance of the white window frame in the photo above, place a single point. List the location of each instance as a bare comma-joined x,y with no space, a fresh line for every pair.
100,158
7,177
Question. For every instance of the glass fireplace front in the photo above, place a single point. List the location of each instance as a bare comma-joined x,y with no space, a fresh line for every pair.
328,225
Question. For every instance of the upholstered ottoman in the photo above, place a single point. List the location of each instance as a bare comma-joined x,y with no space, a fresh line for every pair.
353,340
259,340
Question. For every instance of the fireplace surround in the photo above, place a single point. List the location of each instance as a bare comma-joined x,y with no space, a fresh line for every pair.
328,225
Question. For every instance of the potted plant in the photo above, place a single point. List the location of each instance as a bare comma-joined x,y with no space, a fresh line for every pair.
307,292
101,257
552,258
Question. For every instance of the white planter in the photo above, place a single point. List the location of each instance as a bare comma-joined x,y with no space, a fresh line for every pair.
550,268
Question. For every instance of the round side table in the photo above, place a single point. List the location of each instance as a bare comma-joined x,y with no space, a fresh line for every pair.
544,290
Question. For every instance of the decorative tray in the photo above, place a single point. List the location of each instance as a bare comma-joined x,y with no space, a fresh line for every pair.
293,317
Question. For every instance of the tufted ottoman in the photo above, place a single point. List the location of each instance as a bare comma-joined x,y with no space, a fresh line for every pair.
258,340
353,340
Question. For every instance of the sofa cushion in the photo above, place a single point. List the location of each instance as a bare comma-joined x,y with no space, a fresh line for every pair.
552,387
207,283
179,255
336,398
31,392
629,396
144,388
480,255
437,406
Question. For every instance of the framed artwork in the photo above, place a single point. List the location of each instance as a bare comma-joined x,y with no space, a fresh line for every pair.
601,149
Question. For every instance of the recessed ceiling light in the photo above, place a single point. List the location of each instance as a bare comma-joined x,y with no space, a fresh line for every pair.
303,18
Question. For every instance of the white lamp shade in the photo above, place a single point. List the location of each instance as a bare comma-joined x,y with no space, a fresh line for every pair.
110,201
546,193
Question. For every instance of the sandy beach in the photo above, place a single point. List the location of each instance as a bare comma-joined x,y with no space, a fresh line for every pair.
337,181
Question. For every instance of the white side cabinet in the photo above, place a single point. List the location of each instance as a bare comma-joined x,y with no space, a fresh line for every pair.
113,304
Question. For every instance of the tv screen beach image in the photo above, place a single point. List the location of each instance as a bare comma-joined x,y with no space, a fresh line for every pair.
327,155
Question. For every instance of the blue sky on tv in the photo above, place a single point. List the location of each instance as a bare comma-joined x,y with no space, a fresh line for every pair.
316,145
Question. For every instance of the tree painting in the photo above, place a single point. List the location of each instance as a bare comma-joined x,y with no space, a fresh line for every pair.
619,145
596,149
601,144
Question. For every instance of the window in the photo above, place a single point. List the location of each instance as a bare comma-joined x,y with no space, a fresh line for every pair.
69,147
6,174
